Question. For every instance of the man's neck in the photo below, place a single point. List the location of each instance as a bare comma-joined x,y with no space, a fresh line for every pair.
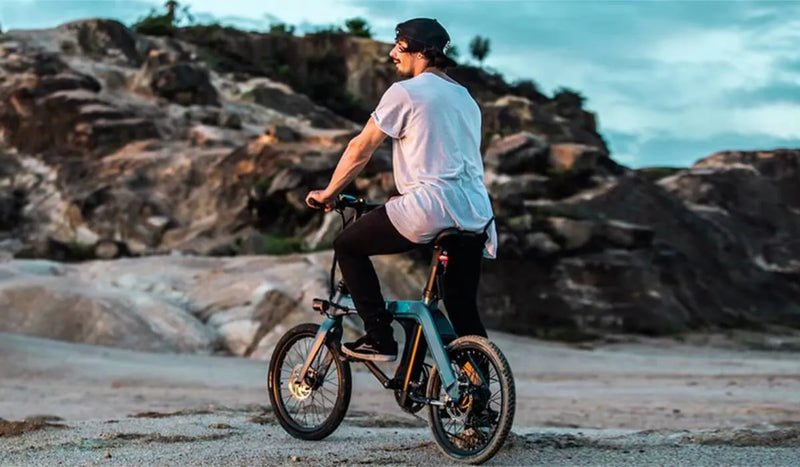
431,69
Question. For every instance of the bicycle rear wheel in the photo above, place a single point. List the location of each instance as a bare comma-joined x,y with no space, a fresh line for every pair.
310,409
473,429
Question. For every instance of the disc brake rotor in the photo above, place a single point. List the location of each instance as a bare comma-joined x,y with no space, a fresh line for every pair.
299,389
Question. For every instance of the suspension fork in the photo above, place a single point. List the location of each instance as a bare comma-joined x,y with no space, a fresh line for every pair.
330,328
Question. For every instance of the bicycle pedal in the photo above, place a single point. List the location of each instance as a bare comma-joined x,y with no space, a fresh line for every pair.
320,305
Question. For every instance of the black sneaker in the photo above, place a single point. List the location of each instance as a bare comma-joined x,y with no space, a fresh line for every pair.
367,348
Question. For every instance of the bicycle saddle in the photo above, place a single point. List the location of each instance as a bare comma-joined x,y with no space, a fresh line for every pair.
453,236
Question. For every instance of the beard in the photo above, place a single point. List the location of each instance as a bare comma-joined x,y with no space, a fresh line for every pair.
403,74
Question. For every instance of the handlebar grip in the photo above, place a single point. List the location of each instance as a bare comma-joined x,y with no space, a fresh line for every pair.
315,204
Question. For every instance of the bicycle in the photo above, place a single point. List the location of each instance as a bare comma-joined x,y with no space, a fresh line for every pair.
468,389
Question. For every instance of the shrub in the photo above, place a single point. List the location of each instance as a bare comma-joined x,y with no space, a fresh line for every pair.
155,25
275,245
568,98
281,29
358,27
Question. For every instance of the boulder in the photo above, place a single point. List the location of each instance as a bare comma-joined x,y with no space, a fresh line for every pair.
518,153
512,114
239,306
283,133
48,300
51,108
182,82
572,157
573,233
634,259
104,37
512,191
750,196
284,100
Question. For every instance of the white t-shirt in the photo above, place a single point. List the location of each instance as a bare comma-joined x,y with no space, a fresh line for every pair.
436,129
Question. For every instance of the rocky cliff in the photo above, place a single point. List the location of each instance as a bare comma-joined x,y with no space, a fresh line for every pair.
117,144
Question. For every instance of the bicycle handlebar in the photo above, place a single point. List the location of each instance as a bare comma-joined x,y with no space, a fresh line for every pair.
343,202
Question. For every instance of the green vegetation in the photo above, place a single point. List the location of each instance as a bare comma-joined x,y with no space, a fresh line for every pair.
262,184
155,25
358,27
164,25
519,223
479,48
282,29
275,245
569,98
328,31
59,251
354,27
529,89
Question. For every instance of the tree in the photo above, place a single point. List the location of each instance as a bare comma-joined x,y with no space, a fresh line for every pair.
569,98
164,25
479,47
171,6
358,27
281,29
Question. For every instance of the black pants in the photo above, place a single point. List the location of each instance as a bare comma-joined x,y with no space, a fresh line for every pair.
374,234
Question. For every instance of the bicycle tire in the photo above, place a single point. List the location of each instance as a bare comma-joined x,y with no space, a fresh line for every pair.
288,405
500,397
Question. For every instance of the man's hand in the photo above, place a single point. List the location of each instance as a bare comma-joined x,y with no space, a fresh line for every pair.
317,199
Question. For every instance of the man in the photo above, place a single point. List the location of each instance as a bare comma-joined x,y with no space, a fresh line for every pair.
436,130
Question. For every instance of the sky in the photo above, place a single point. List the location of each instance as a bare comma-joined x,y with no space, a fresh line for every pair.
670,81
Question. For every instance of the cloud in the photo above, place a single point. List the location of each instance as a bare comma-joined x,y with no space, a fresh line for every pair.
295,12
38,14
785,92
671,151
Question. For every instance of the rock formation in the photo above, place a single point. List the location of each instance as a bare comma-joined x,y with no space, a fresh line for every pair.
118,144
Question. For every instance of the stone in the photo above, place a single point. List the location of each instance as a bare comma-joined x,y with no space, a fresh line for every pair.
573,233
105,36
282,133
540,244
185,83
75,310
513,190
571,157
518,153
280,98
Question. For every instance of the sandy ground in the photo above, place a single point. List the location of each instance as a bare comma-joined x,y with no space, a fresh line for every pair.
646,402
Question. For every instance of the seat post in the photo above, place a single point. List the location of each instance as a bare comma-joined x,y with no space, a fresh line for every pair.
430,292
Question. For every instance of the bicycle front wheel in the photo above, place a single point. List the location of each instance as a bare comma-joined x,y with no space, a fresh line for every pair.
474,428
311,408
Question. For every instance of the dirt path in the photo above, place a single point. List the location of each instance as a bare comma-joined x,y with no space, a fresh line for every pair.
655,402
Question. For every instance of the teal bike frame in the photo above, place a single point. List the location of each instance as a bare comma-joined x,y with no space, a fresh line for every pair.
434,326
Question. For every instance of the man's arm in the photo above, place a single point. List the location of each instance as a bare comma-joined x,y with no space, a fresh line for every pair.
358,152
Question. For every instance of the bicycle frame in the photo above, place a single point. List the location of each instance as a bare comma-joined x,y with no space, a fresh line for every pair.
424,312
415,310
